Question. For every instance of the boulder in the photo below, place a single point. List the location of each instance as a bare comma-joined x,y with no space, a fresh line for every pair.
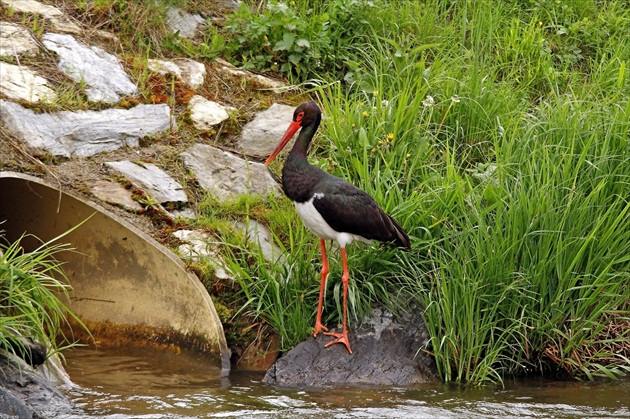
102,72
153,180
226,175
385,352
84,133
260,136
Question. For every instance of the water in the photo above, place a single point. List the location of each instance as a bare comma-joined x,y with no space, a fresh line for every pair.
151,384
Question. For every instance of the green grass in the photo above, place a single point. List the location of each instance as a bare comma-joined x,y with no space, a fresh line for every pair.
497,134
33,288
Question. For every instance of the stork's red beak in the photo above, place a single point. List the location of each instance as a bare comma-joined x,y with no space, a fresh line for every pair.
293,128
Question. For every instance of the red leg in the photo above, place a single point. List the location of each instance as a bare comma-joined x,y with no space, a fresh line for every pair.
318,321
343,336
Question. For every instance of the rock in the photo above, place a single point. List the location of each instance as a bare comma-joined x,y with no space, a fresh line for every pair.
18,82
84,133
259,234
182,22
188,71
25,394
57,18
260,136
100,71
384,352
115,194
153,180
16,40
205,113
265,82
226,175
199,245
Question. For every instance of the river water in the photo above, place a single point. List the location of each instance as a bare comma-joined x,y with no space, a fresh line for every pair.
145,383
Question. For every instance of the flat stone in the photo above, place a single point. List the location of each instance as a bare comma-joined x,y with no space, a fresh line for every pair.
385,352
57,18
185,23
260,136
102,72
188,71
16,40
152,179
261,236
199,245
205,113
84,133
265,82
115,194
21,83
227,175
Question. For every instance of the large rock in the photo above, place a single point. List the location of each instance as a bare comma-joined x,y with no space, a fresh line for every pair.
384,352
102,72
227,175
16,40
260,136
84,133
19,82
152,179
25,394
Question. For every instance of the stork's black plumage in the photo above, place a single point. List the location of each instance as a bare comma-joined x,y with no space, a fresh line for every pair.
329,206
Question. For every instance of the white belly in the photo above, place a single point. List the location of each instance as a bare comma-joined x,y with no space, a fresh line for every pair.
315,222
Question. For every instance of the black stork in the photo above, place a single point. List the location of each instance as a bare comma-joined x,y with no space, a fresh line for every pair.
330,207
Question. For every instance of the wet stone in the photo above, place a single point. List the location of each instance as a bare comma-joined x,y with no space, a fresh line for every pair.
153,180
385,352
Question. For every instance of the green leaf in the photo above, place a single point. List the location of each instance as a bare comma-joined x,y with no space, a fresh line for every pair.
287,42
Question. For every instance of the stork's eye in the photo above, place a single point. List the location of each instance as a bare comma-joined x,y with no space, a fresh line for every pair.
299,116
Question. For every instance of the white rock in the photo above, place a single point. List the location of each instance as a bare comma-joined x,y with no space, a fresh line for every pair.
260,136
101,71
199,245
16,40
114,193
153,180
205,113
185,23
57,18
226,175
84,133
190,72
18,82
261,236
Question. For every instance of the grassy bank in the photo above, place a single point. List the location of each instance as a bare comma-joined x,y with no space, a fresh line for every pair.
497,133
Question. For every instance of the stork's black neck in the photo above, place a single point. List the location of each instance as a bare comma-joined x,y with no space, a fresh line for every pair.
298,175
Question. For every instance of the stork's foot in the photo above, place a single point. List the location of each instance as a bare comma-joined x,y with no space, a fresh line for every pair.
319,327
340,338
